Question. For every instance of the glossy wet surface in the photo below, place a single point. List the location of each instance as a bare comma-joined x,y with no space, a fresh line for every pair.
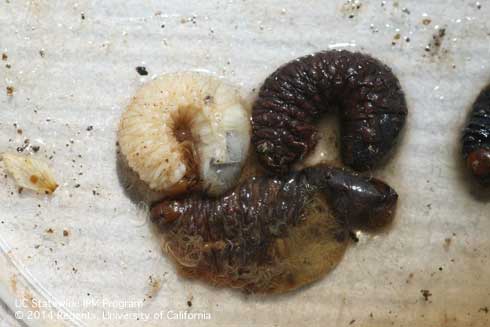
78,89
272,233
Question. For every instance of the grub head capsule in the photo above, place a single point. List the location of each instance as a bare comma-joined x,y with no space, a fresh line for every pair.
476,138
478,162
362,202
272,233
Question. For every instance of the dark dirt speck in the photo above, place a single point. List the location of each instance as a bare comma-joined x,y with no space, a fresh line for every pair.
426,294
142,70
435,45
439,36
353,236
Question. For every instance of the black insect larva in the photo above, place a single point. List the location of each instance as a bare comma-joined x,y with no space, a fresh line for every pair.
371,104
272,234
476,138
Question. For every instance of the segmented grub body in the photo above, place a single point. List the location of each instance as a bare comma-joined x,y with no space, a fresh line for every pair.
476,138
186,131
371,103
250,237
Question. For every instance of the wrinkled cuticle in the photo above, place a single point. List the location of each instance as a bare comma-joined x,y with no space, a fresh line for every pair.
245,238
372,109
173,128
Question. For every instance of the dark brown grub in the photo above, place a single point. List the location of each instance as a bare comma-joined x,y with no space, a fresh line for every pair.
272,234
372,109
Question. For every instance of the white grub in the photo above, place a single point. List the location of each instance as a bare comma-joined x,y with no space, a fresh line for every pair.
29,172
217,135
